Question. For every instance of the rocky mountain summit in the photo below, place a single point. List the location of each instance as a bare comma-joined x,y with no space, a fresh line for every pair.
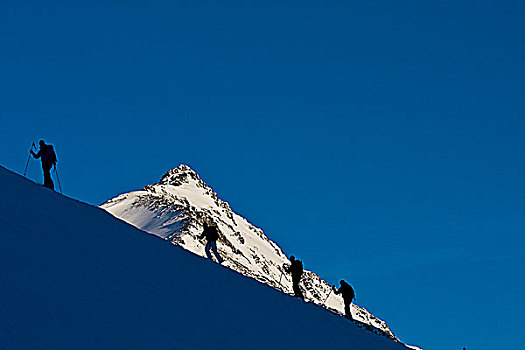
175,209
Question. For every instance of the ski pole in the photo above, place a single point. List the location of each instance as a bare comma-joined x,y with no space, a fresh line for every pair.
27,164
58,179
29,158
282,272
324,302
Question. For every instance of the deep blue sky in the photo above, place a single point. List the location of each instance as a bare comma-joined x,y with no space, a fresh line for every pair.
380,142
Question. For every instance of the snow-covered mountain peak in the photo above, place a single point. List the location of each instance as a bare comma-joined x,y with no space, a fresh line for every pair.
175,209
182,174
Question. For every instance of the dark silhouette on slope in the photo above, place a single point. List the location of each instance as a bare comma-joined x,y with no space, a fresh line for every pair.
296,269
47,155
348,295
212,235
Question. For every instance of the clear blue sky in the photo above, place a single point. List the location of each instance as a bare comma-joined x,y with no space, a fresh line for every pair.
380,142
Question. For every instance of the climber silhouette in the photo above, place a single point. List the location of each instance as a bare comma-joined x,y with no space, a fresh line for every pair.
47,155
348,294
296,269
212,235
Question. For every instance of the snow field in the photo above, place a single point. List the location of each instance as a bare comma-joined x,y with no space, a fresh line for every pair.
74,277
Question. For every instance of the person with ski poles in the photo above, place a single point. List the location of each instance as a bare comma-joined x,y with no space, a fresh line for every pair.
47,155
212,235
296,269
348,294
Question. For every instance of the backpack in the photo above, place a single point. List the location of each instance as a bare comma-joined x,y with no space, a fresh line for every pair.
351,292
211,233
298,267
347,291
214,233
51,155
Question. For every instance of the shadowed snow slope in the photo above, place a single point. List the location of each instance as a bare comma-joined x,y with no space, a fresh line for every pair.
75,277
175,209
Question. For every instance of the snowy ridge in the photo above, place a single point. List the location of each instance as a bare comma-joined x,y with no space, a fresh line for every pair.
74,277
175,208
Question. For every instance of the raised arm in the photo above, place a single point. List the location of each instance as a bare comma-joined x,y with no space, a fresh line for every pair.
37,155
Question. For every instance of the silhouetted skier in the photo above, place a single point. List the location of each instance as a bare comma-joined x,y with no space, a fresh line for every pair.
296,269
47,155
212,235
348,294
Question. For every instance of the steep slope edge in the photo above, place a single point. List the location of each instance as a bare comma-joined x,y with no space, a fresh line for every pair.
73,276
